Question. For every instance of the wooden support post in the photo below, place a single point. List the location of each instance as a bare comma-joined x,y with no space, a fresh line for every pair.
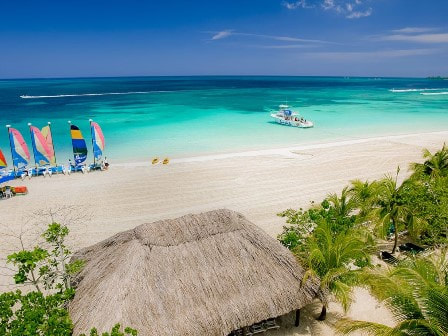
297,318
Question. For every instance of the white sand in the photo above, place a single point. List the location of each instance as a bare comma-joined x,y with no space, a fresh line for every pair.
258,184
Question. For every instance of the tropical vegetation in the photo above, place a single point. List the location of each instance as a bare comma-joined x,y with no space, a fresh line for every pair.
336,238
44,310
416,291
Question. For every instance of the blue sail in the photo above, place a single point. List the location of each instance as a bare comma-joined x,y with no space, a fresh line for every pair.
79,146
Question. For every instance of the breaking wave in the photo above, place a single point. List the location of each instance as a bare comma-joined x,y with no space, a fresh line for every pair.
89,94
434,93
414,90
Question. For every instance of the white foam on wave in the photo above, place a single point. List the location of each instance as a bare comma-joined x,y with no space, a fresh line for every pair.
434,93
414,90
89,94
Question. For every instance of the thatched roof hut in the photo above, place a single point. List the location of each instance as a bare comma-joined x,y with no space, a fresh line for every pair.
205,274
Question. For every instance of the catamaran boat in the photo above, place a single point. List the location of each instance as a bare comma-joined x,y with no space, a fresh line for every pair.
286,116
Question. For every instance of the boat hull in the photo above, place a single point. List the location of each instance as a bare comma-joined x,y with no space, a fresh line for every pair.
292,123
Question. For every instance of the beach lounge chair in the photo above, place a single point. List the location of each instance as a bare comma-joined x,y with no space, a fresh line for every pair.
8,192
389,258
411,248
270,324
257,328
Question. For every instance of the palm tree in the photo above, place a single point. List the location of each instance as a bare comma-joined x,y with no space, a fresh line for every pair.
364,194
341,210
435,165
330,256
391,210
416,293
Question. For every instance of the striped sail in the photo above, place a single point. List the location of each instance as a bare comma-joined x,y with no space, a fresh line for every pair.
46,132
79,145
2,160
97,140
42,153
19,149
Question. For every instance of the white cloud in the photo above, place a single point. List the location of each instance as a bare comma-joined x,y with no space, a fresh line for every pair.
227,33
351,9
419,38
222,34
370,55
412,30
297,4
359,14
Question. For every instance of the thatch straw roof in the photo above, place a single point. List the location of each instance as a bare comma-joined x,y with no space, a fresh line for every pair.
205,274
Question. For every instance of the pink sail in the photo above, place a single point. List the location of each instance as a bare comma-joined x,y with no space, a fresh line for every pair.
46,132
19,149
42,151
98,140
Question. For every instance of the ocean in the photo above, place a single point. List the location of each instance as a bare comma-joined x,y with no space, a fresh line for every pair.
146,117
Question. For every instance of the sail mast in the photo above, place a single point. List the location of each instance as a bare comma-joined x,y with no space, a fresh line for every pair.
93,146
10,146
33,143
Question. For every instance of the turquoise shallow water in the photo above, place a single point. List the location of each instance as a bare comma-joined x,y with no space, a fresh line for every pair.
187,116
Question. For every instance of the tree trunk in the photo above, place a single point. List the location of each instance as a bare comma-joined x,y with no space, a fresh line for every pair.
323,314
396,236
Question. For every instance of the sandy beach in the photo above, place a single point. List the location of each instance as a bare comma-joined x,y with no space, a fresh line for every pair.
259,184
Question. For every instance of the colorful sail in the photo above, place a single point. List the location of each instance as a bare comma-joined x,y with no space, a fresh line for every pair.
79,145
19,149
46,132
3,164
97,140
41,150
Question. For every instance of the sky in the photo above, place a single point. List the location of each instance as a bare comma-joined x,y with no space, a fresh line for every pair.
80,38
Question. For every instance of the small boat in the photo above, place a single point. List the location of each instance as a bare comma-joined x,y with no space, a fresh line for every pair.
286,116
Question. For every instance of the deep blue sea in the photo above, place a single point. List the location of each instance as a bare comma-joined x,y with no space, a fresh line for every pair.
144,117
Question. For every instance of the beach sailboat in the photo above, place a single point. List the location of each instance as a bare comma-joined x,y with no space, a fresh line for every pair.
79,148
19,150
4,175
46,132
98,143
42,153
3,163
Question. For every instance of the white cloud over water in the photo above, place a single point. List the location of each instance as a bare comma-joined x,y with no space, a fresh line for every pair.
351,9
369,55
229,33
222,34
416,35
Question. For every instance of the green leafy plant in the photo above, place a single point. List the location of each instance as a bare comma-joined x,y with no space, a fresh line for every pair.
44,311
332,257
416,291
114,332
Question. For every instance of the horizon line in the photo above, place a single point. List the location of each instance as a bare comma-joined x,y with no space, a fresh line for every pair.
233,75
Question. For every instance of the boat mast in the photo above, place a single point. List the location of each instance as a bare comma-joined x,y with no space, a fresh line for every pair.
10,145
93,146
33,143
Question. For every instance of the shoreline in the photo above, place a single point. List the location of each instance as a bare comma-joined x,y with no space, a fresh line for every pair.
281,151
